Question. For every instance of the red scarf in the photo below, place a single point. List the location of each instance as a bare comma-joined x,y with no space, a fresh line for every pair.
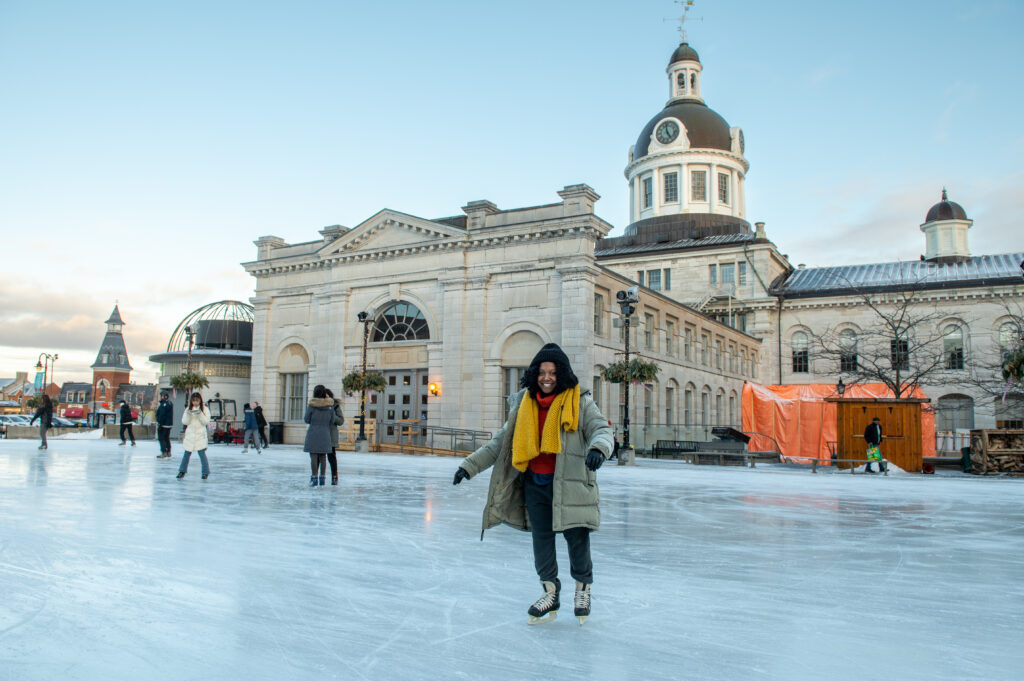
543,464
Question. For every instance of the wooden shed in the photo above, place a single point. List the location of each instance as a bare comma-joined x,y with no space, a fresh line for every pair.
901,429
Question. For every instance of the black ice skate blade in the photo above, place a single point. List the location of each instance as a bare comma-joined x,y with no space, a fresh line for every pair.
582,619
543,618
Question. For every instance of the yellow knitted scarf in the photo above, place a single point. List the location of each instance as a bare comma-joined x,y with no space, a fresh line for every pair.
564,413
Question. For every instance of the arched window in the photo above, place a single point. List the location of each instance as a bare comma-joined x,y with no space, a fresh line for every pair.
953,347
847,350
1009,336
800,353
954,412
401,321
688,404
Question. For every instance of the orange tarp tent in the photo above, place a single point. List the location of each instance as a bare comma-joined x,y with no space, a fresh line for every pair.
803,423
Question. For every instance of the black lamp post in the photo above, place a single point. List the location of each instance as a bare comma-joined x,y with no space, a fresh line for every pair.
45,362
627,306
364,319
190,334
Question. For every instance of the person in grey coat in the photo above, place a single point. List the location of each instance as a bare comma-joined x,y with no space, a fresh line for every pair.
544,481
321,417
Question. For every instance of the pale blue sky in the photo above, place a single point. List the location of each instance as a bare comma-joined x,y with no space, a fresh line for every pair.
146,145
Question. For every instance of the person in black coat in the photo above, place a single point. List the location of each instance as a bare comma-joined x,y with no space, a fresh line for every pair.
261,423
873,436
126,423
44,412
164,423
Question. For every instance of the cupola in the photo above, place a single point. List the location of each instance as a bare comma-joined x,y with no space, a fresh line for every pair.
945,230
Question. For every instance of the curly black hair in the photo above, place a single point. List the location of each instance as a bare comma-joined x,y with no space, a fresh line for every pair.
565,379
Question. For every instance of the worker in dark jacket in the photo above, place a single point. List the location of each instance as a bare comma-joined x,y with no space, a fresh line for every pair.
126,423
164,423
873,436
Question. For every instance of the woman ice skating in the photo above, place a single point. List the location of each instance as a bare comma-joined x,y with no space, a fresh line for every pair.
544,481
195,419
321,419
251,428
44,412
332,458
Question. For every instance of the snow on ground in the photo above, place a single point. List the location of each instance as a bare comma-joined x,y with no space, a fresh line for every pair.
110,568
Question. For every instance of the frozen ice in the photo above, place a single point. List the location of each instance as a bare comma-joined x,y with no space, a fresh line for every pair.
110,568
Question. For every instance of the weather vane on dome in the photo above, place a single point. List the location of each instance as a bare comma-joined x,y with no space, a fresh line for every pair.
687,5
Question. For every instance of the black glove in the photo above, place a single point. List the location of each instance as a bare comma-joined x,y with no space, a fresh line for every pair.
594,459
460,475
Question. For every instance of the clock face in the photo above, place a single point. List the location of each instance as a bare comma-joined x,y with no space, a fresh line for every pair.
667,132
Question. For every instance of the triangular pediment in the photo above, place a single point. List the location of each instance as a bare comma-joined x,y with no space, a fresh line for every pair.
390,229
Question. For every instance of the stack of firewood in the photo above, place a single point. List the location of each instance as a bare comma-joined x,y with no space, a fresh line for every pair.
997,452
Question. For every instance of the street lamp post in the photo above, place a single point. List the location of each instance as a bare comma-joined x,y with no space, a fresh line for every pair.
627,306
46,361
364,319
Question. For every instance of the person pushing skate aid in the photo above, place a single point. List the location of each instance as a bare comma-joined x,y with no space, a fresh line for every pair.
545,460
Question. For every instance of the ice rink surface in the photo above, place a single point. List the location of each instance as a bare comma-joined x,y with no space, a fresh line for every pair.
110,568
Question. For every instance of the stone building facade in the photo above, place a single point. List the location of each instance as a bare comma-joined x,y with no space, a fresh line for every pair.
463,303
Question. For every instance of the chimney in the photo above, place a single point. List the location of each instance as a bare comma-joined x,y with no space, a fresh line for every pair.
578,199
759,230
477,212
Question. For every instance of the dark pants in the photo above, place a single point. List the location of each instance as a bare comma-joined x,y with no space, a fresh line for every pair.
263,436
332,459
538,507
164,435
128,427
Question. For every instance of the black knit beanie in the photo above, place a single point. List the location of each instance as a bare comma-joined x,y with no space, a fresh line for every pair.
551,353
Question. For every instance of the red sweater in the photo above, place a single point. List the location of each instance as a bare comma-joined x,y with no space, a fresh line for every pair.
544,464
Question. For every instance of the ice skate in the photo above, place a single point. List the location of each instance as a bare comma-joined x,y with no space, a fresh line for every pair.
546,607
581,602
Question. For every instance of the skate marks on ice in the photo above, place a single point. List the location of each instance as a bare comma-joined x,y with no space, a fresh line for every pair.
110,568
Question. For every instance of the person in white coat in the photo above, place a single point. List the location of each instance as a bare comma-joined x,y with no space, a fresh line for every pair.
195,419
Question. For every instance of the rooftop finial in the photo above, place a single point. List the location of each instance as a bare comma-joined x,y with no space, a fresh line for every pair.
944,197
687,5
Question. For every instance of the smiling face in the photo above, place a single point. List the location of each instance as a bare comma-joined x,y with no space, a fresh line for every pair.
547,377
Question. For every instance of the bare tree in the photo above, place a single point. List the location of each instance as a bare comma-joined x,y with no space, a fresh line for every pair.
903,345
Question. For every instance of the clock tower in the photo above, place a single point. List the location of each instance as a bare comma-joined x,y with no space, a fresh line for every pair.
687,170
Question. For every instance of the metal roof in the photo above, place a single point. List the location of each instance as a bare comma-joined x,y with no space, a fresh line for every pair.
976,271
716,240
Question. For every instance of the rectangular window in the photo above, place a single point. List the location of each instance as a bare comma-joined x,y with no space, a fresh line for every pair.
598,314
704,343
640,277
688,345
666,279
293,396
713,274
648,192
671,187
718,410
597,391
723,188
654,280
511,377
687,407
727,274
899,354
742,266
649,330
698,185
670,338
718,354
670,406
648,391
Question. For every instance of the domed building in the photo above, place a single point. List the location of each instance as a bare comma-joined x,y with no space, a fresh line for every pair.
216,342
686,171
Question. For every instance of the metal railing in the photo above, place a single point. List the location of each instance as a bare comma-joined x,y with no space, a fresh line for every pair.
951,441
411,436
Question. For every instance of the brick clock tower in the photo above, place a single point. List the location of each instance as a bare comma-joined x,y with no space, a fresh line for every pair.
111,368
